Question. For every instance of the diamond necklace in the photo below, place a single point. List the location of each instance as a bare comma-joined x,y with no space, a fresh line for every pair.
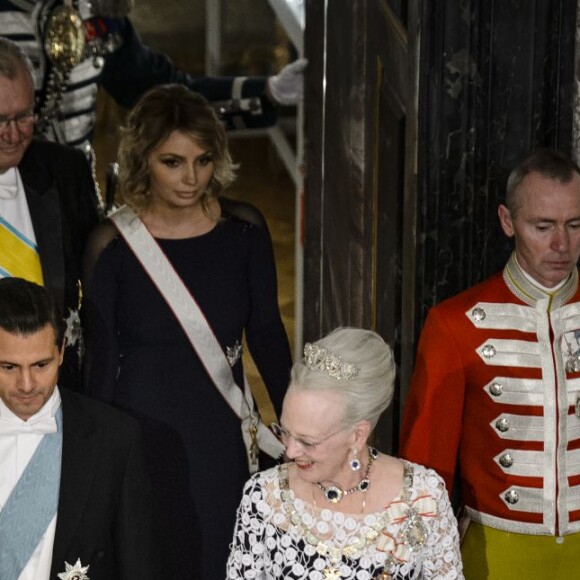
334,494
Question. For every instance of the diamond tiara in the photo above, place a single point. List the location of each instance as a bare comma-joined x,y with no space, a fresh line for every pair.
322,360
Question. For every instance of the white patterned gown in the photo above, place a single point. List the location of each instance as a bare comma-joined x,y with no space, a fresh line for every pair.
280,537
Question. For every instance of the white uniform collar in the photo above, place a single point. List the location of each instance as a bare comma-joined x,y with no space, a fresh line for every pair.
532,280
530,292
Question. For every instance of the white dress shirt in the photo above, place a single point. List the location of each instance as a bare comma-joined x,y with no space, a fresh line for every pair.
16,450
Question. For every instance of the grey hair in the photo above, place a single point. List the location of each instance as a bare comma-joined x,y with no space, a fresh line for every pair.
365,395
13,60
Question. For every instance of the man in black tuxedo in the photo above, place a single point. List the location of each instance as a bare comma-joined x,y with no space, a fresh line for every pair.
75,501
48,203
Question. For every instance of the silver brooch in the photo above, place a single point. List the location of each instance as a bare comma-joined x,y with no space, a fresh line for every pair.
72,333
573,351
415,531
573,363
322,360
76,572
233,353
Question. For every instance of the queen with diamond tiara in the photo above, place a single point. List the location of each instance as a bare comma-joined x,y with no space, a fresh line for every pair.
340,509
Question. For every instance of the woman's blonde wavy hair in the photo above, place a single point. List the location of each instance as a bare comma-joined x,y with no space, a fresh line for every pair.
162,110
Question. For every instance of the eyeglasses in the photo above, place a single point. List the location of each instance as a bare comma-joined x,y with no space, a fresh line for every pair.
24,120
306,444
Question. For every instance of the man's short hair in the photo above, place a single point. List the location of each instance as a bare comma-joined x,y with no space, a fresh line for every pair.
26,308
549,163
13,61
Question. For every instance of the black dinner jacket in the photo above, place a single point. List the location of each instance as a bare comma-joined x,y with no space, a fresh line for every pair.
63,207
106,510
62,201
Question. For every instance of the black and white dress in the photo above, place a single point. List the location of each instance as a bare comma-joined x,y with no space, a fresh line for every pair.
280,537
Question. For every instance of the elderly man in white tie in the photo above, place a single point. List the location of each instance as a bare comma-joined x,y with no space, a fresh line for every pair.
48,202
75,501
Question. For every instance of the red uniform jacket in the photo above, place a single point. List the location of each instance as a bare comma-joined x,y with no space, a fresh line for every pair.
496,385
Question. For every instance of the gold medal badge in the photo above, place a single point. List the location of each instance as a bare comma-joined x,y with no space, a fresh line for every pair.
64,40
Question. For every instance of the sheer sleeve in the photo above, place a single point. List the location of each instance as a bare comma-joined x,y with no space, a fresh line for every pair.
265,333
100,287
98,240
248,546
243,210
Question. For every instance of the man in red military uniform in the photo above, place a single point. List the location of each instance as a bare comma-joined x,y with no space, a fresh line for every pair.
496,387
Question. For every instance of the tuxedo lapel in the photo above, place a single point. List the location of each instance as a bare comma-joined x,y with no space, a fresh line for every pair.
80,447
45,212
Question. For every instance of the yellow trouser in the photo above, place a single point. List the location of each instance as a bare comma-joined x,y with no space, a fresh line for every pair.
490,554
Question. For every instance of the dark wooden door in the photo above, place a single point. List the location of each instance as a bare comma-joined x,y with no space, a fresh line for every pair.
360,208
416,112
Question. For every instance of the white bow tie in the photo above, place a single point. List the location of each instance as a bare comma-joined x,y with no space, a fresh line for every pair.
40,426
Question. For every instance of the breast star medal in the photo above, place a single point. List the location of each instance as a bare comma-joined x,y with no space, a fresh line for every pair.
76,572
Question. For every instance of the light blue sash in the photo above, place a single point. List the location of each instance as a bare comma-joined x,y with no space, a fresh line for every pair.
31,505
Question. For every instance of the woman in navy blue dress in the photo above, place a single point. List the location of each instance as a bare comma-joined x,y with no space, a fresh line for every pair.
174,162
